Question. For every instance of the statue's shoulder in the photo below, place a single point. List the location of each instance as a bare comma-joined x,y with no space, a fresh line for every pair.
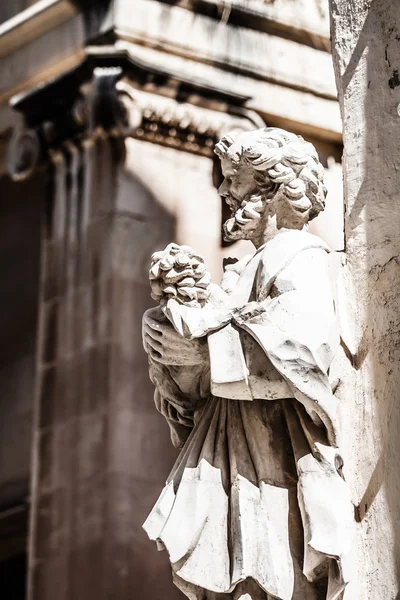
278,253
287,245
292,241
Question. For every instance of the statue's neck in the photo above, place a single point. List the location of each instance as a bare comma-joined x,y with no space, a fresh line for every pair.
271,230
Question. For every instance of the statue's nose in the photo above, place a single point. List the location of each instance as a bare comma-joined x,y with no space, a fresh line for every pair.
223,189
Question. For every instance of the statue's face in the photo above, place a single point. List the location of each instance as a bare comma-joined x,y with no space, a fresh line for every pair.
243,198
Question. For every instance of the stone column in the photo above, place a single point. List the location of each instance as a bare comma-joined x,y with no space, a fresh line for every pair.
366,54
101,453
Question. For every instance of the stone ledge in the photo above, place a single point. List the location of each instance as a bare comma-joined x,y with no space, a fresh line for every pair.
34,22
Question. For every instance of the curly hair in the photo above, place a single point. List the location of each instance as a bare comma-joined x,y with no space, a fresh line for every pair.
280,158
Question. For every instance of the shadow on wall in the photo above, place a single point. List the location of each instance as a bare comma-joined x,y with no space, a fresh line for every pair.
20,207
144,452
104,452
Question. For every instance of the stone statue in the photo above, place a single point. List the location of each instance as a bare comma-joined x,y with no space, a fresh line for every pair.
256,506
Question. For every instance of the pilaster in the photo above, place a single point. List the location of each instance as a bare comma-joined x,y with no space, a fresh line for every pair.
93,470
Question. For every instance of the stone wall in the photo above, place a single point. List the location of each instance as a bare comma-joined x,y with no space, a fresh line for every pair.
366,56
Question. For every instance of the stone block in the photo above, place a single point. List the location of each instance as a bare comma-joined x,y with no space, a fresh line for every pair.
139,445
50,331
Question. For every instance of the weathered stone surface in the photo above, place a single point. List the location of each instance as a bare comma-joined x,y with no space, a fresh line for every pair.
366,57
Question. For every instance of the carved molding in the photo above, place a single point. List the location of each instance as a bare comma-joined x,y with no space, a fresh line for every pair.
23,153
182,126
77,104
93,105
178,132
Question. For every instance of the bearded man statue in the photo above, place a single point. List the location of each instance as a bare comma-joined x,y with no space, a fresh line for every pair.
256,506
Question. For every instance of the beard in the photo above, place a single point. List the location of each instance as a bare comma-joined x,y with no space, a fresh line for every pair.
246,217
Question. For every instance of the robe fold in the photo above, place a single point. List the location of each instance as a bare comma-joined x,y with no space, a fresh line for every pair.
257,494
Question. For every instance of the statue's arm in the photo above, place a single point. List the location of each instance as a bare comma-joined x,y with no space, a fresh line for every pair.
179,370
179,393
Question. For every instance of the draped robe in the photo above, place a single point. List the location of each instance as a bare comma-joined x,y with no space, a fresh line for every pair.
257,494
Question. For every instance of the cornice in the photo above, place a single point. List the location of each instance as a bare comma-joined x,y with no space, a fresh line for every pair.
37,104
182,126
33,22
52,119
259,15
45,15
161,67
93,95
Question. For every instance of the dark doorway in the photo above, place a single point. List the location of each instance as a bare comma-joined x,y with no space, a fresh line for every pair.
13,578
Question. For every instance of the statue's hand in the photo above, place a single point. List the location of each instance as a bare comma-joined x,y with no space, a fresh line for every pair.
167,346
248,312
